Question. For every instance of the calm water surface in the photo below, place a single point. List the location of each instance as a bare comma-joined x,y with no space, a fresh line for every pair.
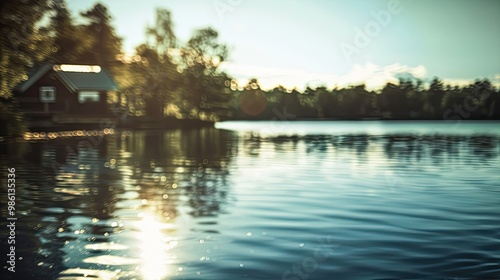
260,200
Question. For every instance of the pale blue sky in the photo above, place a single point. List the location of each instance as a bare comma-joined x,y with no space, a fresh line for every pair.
296,42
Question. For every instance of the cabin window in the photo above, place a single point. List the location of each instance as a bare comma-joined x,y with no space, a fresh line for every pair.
47,94
88,96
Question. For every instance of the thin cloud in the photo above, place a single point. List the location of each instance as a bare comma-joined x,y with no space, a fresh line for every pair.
372,75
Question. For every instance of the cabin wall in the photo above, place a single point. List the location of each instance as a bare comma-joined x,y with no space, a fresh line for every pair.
66,102
30,100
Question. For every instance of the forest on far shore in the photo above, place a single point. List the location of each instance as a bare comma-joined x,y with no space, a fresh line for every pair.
167,77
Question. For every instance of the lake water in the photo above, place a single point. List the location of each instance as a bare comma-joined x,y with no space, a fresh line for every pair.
260,200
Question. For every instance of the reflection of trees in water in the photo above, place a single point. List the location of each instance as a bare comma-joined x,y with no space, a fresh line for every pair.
485,147
442,149
68,196
405,148
71,192
57,181
181,163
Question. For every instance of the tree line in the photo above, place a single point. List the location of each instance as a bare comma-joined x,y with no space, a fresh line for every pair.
167,77
163,77
406,100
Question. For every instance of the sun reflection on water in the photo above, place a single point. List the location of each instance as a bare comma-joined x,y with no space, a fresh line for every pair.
155,260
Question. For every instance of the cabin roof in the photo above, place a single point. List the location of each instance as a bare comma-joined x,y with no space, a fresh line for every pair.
74,77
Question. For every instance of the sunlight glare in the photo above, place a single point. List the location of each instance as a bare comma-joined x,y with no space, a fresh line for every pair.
153,255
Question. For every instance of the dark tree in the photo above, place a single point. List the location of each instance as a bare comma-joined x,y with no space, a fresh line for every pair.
106,45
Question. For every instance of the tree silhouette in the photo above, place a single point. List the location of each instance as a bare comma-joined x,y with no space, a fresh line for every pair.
168,77
205,86
106,44
21,47
68,40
